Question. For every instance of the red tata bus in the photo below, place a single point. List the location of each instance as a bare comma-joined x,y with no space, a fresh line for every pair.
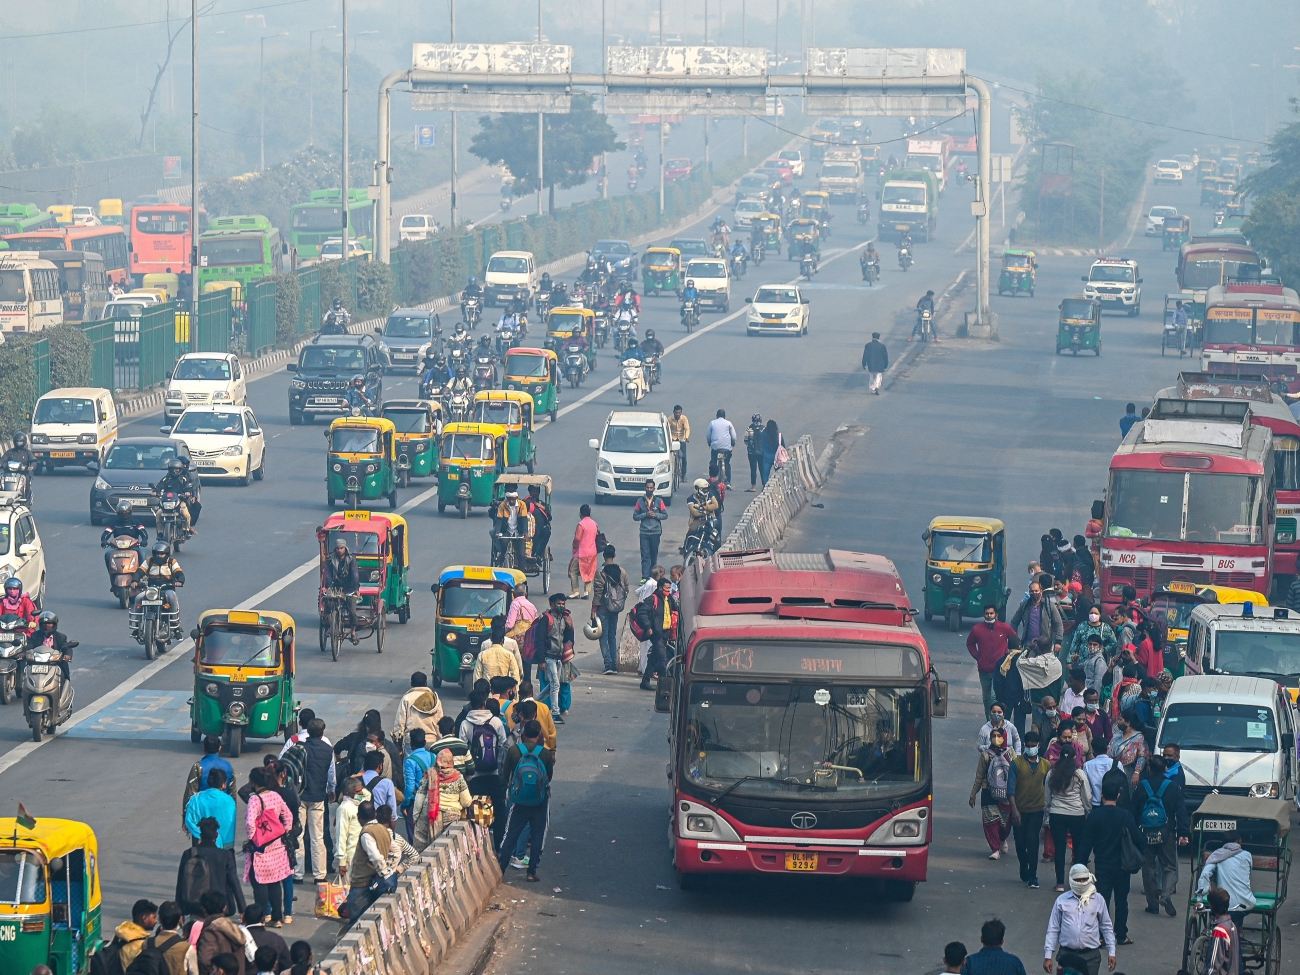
161,241
1191,498
801,703
1252,329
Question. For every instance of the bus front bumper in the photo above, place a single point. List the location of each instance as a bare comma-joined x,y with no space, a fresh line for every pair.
907,863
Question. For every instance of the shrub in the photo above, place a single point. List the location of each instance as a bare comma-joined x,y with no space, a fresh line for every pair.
288,296
70,356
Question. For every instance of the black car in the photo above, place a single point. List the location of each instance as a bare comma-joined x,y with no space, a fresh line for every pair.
325,368
406,333
131,469
691,247
619,253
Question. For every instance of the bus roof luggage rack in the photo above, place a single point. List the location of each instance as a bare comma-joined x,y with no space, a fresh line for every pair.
1213,385
1213,423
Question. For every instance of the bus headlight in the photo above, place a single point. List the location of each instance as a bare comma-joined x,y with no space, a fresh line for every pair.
907,827
699,824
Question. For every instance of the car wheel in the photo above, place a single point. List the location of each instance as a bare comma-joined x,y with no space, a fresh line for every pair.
260,473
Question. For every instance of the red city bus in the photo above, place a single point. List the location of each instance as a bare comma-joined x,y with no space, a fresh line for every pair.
801,706
161,241
1191,498
108,242
1252,329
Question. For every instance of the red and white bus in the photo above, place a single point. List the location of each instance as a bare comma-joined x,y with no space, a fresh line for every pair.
801,703
1191,498
161,242
1252,329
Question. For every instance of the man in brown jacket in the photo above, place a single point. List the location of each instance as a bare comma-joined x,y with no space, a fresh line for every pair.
370,875
220,935
418,708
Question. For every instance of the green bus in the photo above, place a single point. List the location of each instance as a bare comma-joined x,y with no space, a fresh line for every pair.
19,218
313,222
240,248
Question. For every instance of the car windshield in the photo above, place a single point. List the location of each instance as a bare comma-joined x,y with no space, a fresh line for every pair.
414,222
22,878
1219,507
614,248
408,327
710,269
776,296
61,410
1162,212
679,163
123,310
239,647
471,600
1208,726
228,423
1075,308
749,206
1168,164
789,154
466,446
788,740
904,195
1265,653
354,440
690,247
504,412
227,251
326,359
214,370
409,421
358,543
508,265
1111,272
139,457
950,546
635,440
527,366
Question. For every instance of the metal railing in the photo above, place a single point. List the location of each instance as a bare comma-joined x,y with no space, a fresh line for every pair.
764,519
100,336
215,322
156,345
261,317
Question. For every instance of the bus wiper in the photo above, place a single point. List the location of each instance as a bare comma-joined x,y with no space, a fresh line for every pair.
1268,674
731,788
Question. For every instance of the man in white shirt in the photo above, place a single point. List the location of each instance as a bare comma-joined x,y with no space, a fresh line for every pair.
1095,769
1080,924
722,440
1073,695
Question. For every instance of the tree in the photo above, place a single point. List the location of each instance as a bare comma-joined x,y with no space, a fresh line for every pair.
1274,222
172,35
571,141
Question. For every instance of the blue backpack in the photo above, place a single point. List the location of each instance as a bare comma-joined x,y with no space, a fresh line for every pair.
1154,817
529,784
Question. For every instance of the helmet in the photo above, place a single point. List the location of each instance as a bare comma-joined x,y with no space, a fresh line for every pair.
701,484
48,619
124,508
690,283
161,550
649,333
20,440
13,584
593,629
338,303
175,466
358,380
473,280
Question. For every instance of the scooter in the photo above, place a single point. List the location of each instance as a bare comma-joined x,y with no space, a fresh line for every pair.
47,697
15,483
808,266
632,381
13,637
458,405
507,339
864,213
575,365
151,622
602,327
905,258
123,560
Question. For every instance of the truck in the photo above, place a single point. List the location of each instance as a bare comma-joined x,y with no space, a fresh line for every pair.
931,154
909,200
841,174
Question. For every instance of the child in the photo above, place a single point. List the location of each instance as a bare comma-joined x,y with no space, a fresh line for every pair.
301,955
264,959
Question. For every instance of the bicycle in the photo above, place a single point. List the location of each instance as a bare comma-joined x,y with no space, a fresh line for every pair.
331,621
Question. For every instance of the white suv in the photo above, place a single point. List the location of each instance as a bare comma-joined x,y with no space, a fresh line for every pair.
1169,169
205,378
633,448
1156,219
1115,283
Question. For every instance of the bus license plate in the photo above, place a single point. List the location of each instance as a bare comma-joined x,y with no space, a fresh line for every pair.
1219,825
63,453
801,861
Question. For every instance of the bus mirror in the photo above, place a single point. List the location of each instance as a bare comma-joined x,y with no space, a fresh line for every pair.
940,709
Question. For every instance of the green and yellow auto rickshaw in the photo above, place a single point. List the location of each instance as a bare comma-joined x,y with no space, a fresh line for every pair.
1175,232
50,903
468,597
512,409
471,457
816,205
243,677
536,372
1019,271
362,461
1078,329
1217,190
661,270
380,542
417,424
802,234
766,230
965,568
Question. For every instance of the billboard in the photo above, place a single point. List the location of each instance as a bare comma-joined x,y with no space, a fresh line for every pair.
679,62
939,75
470,59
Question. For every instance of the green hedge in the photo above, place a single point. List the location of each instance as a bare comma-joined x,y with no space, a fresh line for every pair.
288,295
17,386
70,356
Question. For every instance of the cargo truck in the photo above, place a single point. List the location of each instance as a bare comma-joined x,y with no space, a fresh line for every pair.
909,200
931,154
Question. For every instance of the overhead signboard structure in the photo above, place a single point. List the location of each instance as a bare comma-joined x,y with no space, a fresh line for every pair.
639,69
913,81
458,64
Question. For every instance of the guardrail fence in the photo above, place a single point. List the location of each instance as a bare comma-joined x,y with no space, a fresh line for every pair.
764,519
100,336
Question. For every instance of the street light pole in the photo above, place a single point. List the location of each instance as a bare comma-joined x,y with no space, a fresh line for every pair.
540,123
604,66
261,85
311,81
194,175
744,122
343,198
455,141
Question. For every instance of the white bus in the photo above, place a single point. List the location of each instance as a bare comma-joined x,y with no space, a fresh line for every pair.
29,295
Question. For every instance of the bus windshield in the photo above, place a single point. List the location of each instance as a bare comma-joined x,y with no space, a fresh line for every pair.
1228,331
13,286
1207,726
1263,653
1221,508
251,647
231,250
1206,274
797,740
466,600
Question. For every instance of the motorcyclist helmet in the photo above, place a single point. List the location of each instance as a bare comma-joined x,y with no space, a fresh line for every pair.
20,440
124,509
175,466
161,551
701,484
460,372
473,280
649,333
13,587
633,344
338,303
48,621
690,283
929,294
358,380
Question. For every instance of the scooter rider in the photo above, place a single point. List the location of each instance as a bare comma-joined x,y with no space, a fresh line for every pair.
634,351
22,453
17,603
47,635
654,351
925,304
126,527
181,484
162,570
738,249
357,396
336,320
341,573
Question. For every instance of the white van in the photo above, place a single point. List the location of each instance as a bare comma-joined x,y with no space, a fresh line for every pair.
1223,639
30,300
510,276
73,427
711,281
635,447
1237,737
417,226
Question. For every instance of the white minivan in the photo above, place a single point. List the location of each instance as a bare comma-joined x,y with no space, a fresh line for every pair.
510,276
1237,737
73,427
635,447
711,281
417,226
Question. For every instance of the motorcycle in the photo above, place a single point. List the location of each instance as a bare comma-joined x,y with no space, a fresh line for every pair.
905,258
925,323
47,697
864,213
738,266
704,540
543,304
602,328
170,521
151,622
335,323
15,483
575,365
652,371
870,271
458,406
632,381
760,252
631,184
622,335
485,373
507,339
13,637
123,560
506,203
470,312
807,266
690,315
456,359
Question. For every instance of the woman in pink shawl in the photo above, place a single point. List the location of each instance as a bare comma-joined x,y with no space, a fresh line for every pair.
582,568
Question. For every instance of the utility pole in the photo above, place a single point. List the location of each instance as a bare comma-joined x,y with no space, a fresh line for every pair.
1101,229
343,254
455,142
604,66
194,175
708,118
541,120
311,81
744,122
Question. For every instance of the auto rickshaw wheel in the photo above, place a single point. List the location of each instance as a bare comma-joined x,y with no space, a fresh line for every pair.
392,499
330,499
404,613
555,415
196,736
233,740
290,730
404,477
954,619
467,682
381,625
531,465
1031,292
463,507
928,616
442,506
1097,350
351,500
437,679
546,574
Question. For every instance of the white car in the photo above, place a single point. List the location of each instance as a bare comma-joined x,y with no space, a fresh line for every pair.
85,217
417,226
21,552
793,158
1156,219
711,281
332,250
1186,163
778,308
203,378
746,211
634,447
1169,170
224,442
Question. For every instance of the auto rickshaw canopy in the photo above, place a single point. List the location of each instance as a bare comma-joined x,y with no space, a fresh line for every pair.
1018,258
947,530
1080,310
53,838
506,481
663,258
511,409
1276,812
570,320
481,573
215,656
804,227
364,435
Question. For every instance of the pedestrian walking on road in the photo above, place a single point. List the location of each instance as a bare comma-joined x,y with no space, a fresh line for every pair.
382,790
554,638
954,957
441,797
170,940
1161,813
417,762
1027,789
197,780
213,801
267,822
997,722
130,936
988,643
582,567
608,599
218,935
418,708
207,867
992,959
1080,925
500,658
662,613
519,617
1107,827
773,443
651,512
875,359
529,767
992,775
1129,418
1069,800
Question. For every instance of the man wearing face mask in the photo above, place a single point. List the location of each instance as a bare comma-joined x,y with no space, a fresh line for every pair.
1098,720
1173,756
997,722
1095,626
1039,616
1028,795
988,643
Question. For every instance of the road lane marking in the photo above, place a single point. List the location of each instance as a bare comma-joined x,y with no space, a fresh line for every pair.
178,652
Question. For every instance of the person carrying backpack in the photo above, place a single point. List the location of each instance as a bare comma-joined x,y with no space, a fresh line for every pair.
1162,817
164,952
128,940
486,736
529,766
609,597
992,778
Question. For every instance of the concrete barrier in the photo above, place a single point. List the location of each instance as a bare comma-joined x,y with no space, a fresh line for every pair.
413,930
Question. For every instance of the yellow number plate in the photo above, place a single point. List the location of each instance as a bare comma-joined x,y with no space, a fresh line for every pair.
474,626
238,677
63,453
801,861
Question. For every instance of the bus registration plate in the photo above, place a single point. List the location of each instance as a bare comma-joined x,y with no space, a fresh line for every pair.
801,861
